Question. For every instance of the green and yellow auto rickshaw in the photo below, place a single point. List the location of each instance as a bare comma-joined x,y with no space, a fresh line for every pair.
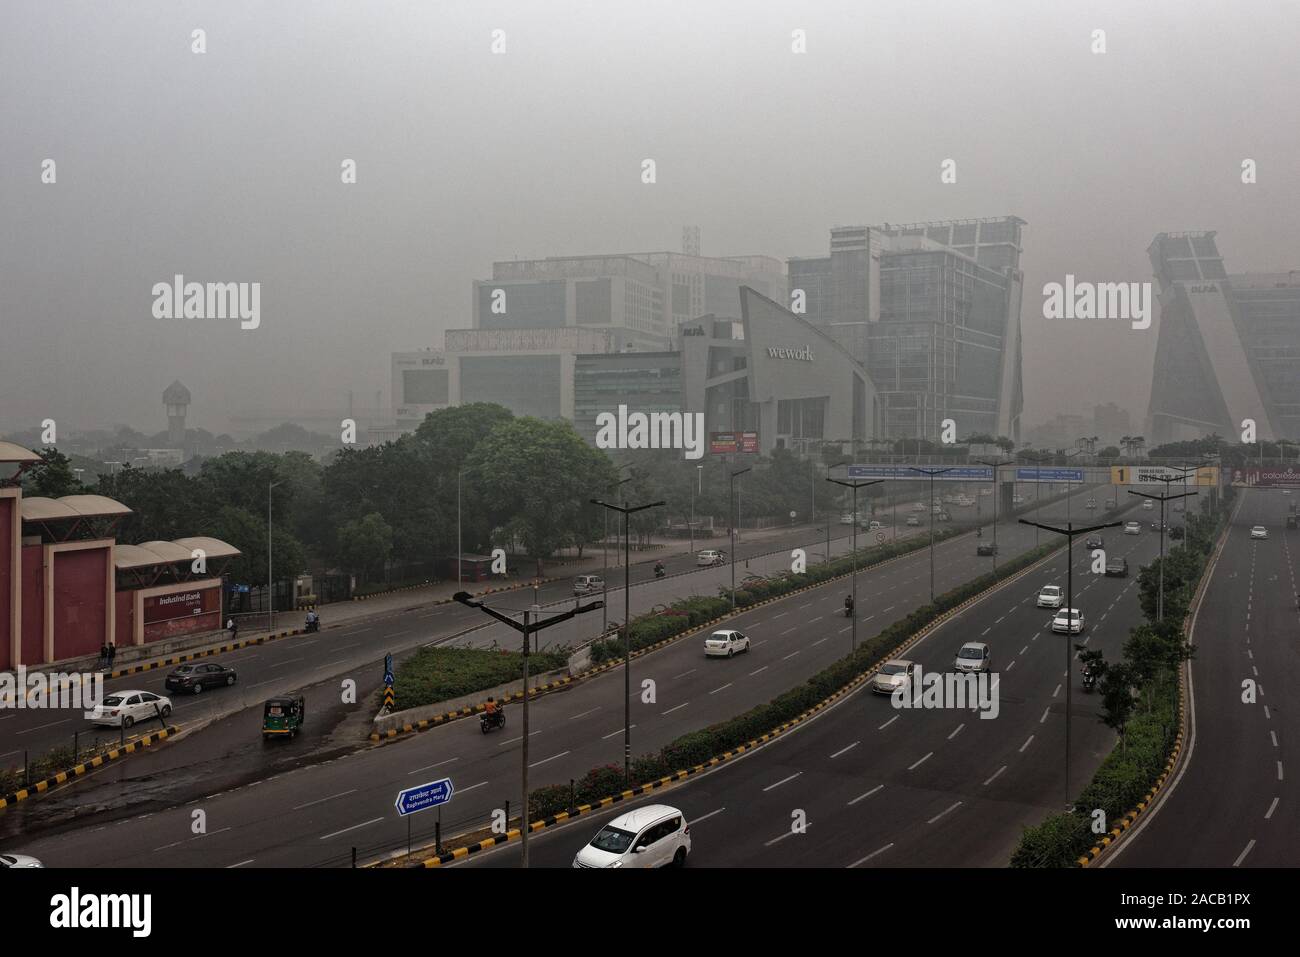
283,716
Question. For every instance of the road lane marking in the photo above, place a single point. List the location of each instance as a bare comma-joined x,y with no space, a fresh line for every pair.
705,817
942,813
863,860
241,863
862,797
994,775
845,750
428,766
1242,856
281,664
324,799
790,655
723,688
887,723
921,762
782,781
544,760
683,674
1026,744
675,708
585,713
1271,808
352,828
1046,712
520,738
471,787
757,670
781,838
958,731
619,731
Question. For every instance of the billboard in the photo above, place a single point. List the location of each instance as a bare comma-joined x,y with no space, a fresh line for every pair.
725,443
1287,476
960,473
1157,474
1049,474
181,604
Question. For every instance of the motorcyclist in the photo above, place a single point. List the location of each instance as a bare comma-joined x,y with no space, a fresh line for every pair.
979,531
492,710
848,606
659,569
313,620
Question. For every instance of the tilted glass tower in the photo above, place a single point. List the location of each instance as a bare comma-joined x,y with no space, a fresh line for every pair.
1228,347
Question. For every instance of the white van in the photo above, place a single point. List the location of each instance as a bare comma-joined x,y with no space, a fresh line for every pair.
651,836
588,585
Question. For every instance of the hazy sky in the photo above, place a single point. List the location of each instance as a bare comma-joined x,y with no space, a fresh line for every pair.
225,166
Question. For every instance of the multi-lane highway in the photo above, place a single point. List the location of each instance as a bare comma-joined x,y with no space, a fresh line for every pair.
1234,801
317,812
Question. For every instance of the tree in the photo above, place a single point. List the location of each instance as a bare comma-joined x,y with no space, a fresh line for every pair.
247,531
536,478
165,503
52,477
1116,686
365,545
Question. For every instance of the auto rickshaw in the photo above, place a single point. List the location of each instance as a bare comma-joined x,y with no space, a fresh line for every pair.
283,716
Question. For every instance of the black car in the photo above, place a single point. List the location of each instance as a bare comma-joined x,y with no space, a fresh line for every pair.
1094,541
194,678
1117,568
986,548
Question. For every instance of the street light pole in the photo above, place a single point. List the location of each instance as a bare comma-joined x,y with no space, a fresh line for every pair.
1069,531
626,510
997,494
604,577
855,485
932,473
531,625
270,587
1160,595
460,551
731,521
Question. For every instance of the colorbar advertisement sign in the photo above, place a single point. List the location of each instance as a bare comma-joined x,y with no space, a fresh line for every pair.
724,443
1285,477
181,604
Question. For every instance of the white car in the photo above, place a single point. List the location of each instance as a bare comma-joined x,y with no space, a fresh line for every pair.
588,584
875,526
1069,622
1050,596
918,506
709,557
650,836
1017,500
1132,528
1092,503
18,860
724,644
1148,504
973,656
1259,531
122,709
846,518
893,675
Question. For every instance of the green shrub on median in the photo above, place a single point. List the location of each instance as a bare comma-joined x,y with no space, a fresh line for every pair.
441,674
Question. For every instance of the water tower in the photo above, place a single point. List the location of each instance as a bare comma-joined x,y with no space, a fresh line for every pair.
177,399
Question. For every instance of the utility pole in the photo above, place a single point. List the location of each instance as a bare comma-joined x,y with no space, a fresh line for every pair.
1069,531
855,485
1160,597
604,550
932,473
626,511
831,515
731,521
997,494
270,587
531,625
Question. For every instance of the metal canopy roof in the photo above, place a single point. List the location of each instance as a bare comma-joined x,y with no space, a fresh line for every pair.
156,553
212,547
165,553
40,509
9,452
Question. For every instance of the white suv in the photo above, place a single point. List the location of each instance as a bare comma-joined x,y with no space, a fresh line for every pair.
650,836
1050,596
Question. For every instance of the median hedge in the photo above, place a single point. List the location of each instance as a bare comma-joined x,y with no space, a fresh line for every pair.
440,674
696,747
688,614
1141,754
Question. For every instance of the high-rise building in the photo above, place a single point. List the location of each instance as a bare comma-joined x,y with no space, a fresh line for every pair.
1228,348
932,310
177,400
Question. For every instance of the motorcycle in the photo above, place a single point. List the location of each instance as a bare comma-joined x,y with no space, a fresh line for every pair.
1089,680
312,624
489,721
659,571
848,610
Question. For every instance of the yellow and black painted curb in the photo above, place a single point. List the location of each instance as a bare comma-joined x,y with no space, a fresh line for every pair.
566,682
40,787
834,697
203,653
1176,752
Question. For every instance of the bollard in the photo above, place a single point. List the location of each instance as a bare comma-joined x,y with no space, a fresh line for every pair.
437,838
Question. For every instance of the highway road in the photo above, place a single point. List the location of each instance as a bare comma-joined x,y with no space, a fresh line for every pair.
900,788
1234,801
315,813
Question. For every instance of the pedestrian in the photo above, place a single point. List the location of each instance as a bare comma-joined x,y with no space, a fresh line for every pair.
103,657
112,654
232,628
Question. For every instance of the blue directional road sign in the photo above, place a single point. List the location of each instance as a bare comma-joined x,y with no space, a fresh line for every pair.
960,473
1049,475
423,797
